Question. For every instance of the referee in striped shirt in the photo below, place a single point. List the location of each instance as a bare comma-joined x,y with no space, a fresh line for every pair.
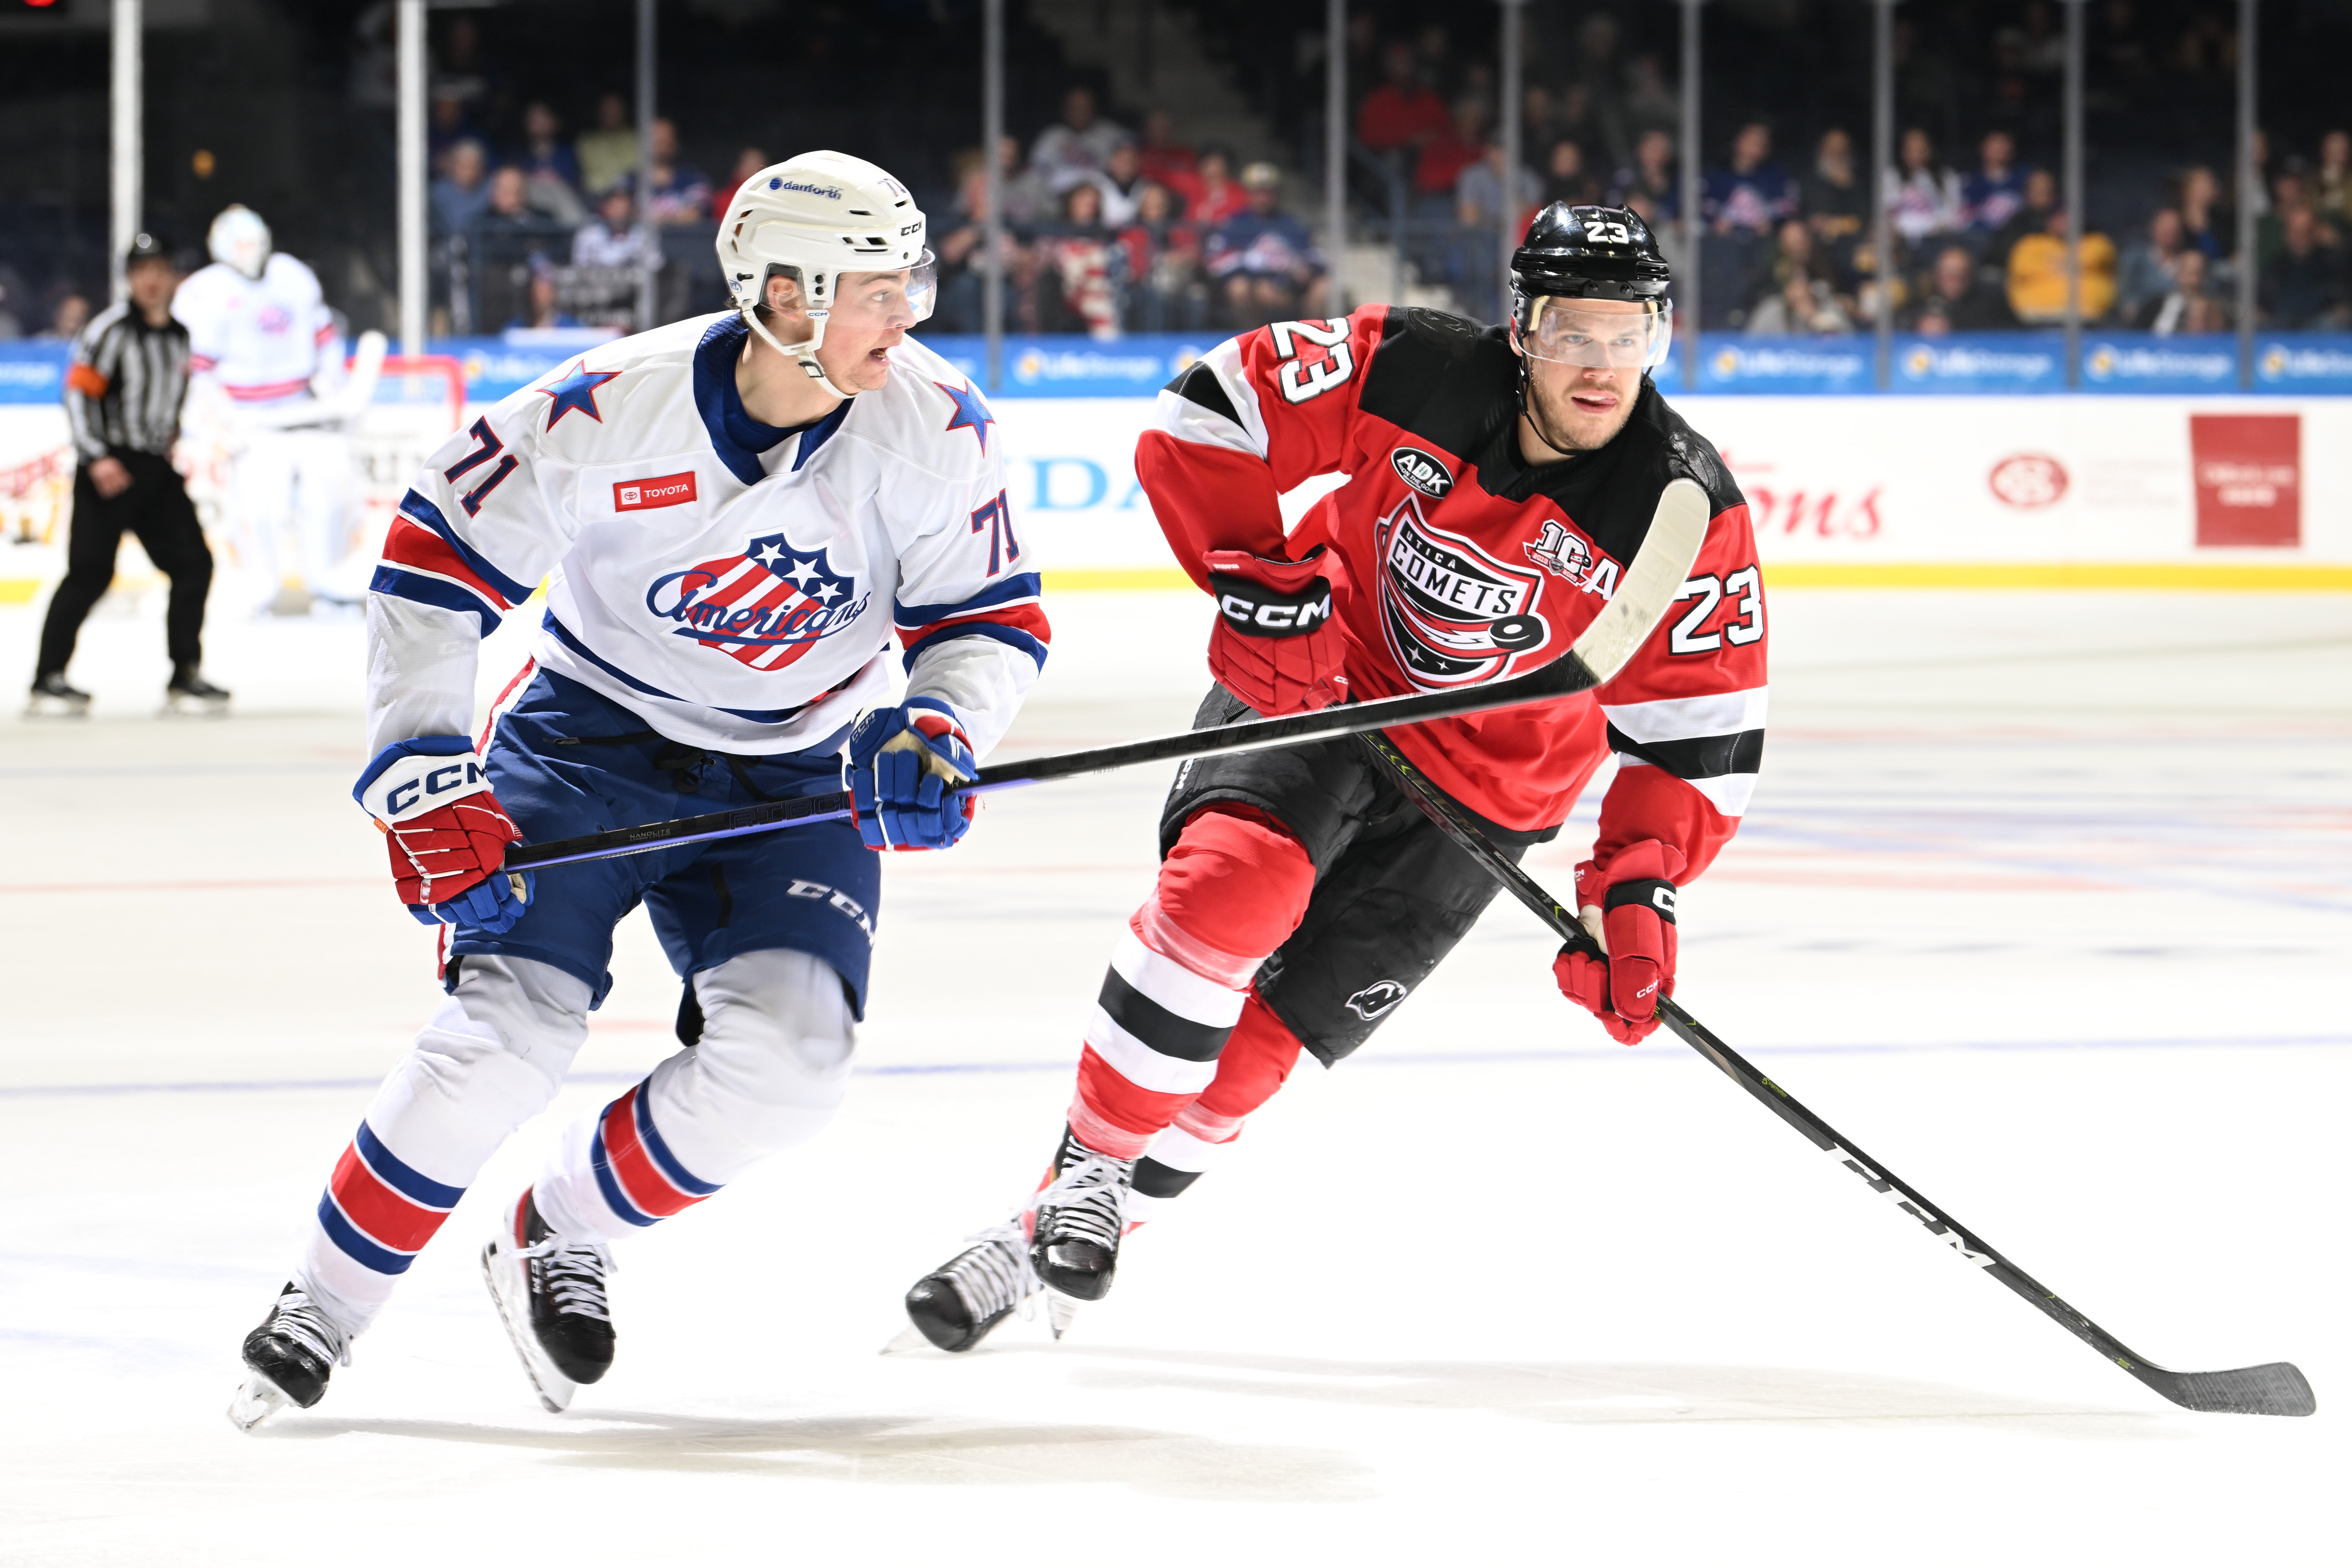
123,391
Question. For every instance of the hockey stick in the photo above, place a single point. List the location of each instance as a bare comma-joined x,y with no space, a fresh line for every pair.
1649,585
2277,1389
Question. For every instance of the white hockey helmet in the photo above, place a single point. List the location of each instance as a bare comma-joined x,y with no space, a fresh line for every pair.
239,237
812,218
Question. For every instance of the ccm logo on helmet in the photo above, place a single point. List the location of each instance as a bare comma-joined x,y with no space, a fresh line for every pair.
1421,472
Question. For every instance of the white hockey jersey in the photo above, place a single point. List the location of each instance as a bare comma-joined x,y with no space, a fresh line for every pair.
263,339
736,586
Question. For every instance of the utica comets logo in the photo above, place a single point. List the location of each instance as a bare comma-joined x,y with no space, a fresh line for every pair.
765,607
1453,614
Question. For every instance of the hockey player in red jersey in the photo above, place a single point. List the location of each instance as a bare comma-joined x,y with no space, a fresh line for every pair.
1499,483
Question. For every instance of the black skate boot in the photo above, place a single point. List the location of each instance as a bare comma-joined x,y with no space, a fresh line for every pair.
51,697
550,1295
190,695
956,1304
1081,1213
290,1358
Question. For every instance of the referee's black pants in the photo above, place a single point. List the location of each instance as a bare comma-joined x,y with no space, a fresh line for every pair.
156,507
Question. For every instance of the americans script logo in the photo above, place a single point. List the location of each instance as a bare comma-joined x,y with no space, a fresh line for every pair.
1453,615
766,607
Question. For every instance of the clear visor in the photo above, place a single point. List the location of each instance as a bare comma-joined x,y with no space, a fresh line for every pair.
1570,332
877,301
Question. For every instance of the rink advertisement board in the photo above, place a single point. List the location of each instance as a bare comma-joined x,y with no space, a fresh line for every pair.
1847,484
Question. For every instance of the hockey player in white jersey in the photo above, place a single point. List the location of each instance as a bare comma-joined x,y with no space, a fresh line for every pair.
266,374
733,515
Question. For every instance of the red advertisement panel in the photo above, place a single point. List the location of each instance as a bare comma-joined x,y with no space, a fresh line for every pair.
2248,471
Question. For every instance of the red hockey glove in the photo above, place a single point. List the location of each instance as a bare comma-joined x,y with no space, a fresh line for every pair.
447,833
1629,908
1275,646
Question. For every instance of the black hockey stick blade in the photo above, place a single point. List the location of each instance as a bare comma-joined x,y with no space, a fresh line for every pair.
2277,1389
1654,577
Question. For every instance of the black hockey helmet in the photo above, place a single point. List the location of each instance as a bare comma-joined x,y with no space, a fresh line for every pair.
1591,253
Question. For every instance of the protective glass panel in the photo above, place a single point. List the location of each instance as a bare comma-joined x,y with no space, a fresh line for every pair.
1566,332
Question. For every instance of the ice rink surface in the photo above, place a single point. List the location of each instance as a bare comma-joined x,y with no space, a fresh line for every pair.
2045,902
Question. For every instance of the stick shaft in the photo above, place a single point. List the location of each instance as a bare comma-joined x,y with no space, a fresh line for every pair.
1450,819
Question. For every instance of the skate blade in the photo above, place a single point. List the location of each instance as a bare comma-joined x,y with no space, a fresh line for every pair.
196,708
56,708
554,1389
256,1400
1060,1311
908,1341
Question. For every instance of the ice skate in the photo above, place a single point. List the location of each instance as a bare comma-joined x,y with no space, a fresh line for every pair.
1081,1213
51,697
288,1359
956,1305
551,1296
190,695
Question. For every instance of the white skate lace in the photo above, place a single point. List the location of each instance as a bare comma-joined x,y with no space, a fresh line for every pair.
305,1322
572,1274
1087,1201
994,1276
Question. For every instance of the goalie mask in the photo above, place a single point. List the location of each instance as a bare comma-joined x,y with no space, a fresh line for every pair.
822,219
241,239
1577,253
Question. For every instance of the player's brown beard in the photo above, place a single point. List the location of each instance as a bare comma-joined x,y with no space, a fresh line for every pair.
1534,407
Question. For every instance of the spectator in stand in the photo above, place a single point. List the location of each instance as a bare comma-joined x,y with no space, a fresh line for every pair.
1163,265
446,124
614,237
509,209
11,328
1601,81
2031,218
1445,158
607,154
549,167
2332,180
1802,306
1566,178
70,317
1923,197
1955,301
1478,196
747,163
1651,176
1832,196
2190,306
1755,192
1263,260
2149,268
1211,194
1122,183
1027,201
681,192
1993,193
1797,253
2206,224
1160,156
543,305
1079,146
1650,103
460,196
1075,291
1400,115
2037,275
2303,287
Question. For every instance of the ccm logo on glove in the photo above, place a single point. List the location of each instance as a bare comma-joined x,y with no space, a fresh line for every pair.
446,832
451,779
1275,644
1261,611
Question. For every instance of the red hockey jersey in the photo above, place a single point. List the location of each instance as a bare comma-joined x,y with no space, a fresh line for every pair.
1452,561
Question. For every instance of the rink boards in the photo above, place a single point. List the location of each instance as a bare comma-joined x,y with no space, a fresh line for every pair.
2044,491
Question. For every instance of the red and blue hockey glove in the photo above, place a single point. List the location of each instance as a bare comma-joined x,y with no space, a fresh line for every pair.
447,833
1629,908
1275,646
904,766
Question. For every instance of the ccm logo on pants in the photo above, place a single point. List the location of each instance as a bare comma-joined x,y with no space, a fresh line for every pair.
643,495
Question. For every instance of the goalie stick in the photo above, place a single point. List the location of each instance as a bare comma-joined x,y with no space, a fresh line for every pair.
2277,1388
1651,583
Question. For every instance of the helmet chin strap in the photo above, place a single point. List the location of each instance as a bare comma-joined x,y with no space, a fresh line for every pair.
802,354
1535,420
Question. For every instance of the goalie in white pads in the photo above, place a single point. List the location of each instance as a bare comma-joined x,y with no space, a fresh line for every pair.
733,515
